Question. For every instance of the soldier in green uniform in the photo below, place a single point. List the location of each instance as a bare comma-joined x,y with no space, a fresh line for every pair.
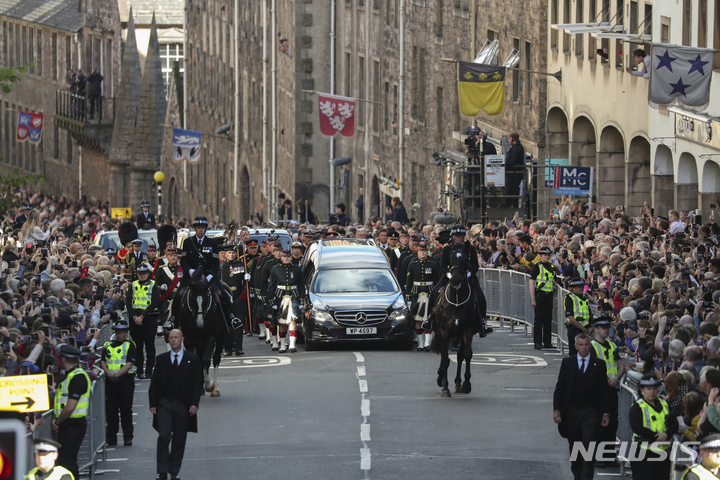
267,295
118,362
258,307
232,272
396,253
422,274
285,290
405,259
251,257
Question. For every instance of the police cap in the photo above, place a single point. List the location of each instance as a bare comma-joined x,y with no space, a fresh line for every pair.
200,221
603,321
121,325
577,282
137,241
458,230
394,234
252,243
68,351
45,445
545,251
144,268
227,248
711,442
145,203
649,381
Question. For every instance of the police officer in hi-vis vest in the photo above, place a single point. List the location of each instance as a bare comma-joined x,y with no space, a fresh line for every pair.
118,363
577,312
46,453
651,423
542,290
72,401
606,350
142,300
708,466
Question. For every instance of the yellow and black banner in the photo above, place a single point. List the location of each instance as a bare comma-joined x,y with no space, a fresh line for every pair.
481,87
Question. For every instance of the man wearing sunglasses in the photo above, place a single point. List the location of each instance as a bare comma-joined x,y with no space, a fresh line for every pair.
607,350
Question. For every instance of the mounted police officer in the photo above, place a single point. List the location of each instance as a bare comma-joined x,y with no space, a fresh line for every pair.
577,311
458,242
142,299
145,217
72,401
542,290
286,291
232,272
608,351
118,362
201,253
422,273
46,453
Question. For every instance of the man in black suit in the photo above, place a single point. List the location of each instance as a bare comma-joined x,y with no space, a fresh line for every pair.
581,399
174,393
145,217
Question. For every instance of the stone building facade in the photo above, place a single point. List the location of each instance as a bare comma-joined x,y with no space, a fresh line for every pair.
57,36
366,66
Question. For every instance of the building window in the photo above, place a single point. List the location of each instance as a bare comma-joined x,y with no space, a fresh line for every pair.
567,19
554,17
620,15
580,38
361,92
702,23
24,46
31,49
376,96
516,74
68,152
664,29
687,23
528,78
361,4
38,54
56,141
592,43
633,17
68,55
647,21
395,110
347,78
388,11
169,54
417,84
439,123
6,60
439,17
396,16
54,57
386,107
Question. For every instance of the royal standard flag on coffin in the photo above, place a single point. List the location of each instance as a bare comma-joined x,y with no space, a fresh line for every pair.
481,87
682,73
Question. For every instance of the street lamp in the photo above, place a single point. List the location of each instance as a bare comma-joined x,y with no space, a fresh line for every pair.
159,178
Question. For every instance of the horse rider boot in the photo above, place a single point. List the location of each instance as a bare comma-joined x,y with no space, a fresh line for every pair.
422,274
286,285
458,243
202,253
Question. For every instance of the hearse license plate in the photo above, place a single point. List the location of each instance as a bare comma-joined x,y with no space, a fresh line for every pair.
361,330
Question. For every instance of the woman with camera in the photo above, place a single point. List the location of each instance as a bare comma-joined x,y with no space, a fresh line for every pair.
31,233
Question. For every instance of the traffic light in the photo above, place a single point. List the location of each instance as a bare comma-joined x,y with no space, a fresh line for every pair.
12,450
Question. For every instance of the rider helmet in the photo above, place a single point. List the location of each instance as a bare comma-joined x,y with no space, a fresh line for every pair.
145,203
143,268
200,221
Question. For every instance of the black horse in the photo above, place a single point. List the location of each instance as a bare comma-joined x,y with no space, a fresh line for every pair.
205,334
457,316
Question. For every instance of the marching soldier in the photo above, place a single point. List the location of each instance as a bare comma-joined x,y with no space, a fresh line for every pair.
395,252
135,258
422,274
142,300
608,351
258,306
232,272
267,295
168,276
405,259
152,255
577,311
286,290
297,253
72,401
201,253
307,237
251,257
118,363
542,289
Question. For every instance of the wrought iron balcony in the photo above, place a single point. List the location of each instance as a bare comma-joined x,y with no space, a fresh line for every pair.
89,120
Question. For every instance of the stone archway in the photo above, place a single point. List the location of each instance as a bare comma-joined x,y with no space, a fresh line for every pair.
638,184
710,185
583,148
663,180
686,183
610,171
557,134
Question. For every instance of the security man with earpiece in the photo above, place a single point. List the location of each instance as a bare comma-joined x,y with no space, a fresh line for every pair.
118,363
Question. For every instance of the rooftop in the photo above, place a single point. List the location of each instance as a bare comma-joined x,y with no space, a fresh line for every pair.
167,12
56,14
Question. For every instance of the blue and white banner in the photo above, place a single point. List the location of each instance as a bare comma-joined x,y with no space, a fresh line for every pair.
573,180
186,145
682,73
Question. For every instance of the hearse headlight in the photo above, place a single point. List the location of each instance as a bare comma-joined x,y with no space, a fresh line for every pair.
400,314
320,316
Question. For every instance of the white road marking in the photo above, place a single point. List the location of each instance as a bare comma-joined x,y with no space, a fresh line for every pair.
256,362
117,459
361,371
506,360
365,459
363,386
365,432
359,357
365,407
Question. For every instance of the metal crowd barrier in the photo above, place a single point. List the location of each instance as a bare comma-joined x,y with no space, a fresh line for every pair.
94,442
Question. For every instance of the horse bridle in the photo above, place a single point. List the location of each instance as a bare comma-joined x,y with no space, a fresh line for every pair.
456,296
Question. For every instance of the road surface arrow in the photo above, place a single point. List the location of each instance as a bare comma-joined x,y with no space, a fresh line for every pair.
28,401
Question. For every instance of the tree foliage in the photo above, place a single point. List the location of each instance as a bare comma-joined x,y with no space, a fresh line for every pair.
11,75
9,201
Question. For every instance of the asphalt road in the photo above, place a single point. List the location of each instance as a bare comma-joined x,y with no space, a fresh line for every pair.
363,412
